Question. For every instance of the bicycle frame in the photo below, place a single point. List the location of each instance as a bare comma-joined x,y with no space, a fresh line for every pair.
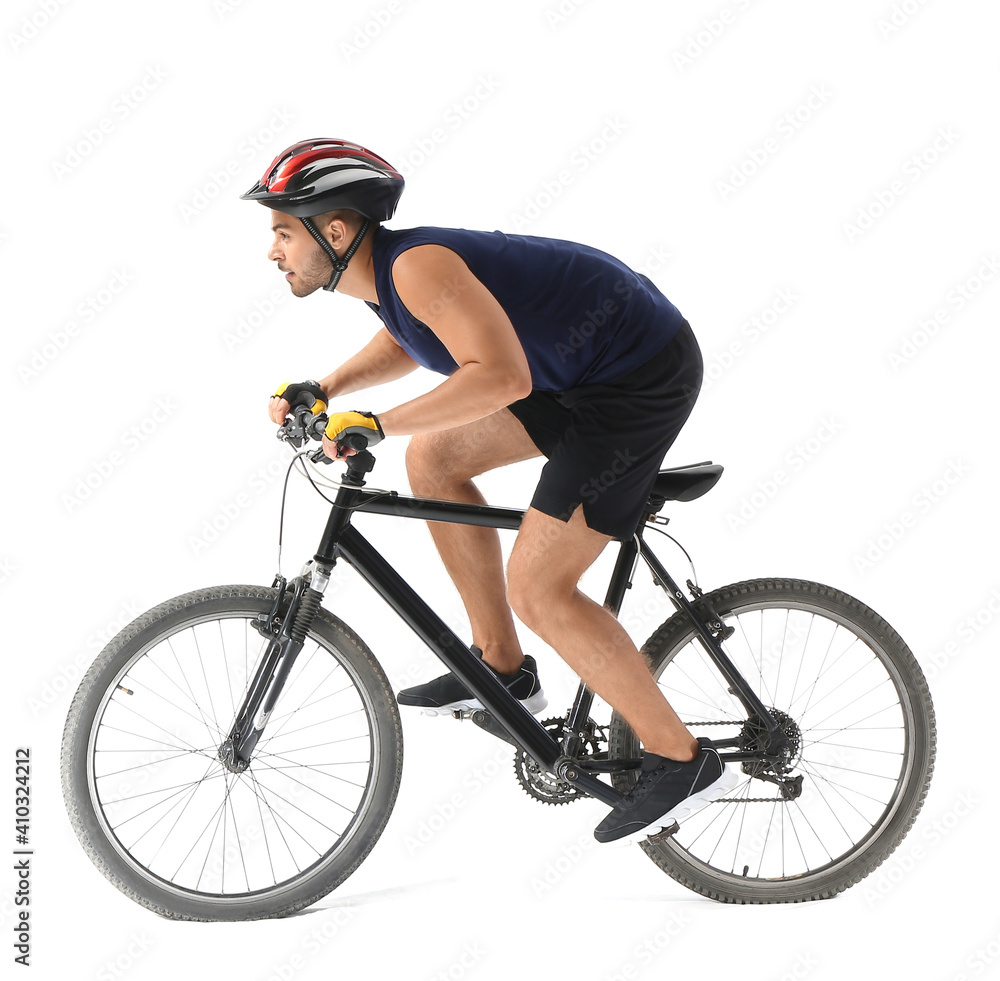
341,540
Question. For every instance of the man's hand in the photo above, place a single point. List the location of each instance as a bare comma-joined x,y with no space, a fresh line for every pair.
344,424
307,393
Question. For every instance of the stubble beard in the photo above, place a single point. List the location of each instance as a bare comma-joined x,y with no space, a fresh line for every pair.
315,273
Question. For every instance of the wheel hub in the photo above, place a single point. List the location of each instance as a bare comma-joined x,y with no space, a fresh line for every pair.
753,739
227,753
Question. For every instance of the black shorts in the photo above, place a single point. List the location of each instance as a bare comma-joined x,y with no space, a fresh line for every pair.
605,443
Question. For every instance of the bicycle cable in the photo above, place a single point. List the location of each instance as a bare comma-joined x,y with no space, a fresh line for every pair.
304,470
694,573
284,494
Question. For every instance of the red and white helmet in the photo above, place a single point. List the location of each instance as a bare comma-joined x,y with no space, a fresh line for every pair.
315,176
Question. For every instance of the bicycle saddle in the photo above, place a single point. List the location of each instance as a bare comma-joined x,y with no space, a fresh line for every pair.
684,483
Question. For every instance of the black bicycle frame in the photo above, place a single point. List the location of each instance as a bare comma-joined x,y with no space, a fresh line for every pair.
342,540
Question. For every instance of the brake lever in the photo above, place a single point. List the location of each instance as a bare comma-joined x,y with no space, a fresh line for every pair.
300,424
319,456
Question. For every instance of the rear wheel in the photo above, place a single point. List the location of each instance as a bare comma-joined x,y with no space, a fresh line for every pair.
855,706
163,818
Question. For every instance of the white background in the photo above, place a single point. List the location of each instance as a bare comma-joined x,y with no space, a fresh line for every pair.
646,110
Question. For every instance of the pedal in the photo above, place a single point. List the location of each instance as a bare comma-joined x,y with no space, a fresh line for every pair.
662,836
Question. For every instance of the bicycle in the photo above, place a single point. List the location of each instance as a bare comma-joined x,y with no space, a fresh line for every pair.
235,752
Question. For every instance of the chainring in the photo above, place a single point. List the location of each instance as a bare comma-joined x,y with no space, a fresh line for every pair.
542,785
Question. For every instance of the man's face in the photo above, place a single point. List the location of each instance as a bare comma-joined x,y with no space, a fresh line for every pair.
306,266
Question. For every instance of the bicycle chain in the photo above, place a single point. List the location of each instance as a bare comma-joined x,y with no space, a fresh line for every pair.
737,800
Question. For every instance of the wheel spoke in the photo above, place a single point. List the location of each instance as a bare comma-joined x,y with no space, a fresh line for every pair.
812,660
219,835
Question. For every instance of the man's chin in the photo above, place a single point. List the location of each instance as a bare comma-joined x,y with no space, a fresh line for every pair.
299,288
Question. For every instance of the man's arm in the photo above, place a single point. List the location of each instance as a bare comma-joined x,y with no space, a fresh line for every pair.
439,289
380,360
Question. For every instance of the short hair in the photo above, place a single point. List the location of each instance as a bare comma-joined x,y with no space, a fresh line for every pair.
353,219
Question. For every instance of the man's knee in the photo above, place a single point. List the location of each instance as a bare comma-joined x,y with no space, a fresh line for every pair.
534,589
523,593
430,465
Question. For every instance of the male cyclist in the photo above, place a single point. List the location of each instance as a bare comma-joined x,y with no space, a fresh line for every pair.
550,348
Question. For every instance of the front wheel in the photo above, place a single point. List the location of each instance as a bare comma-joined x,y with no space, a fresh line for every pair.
160,814
855,706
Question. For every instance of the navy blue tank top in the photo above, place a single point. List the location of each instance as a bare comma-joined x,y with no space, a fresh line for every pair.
582,316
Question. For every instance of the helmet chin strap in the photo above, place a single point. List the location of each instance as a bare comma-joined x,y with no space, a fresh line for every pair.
339,263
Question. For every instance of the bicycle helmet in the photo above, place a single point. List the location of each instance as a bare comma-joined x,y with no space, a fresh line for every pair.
312,177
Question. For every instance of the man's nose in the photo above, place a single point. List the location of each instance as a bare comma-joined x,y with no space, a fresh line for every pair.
274,253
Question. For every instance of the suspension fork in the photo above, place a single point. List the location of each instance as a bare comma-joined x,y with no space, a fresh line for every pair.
286,639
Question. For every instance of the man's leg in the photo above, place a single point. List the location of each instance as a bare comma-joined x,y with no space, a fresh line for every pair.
547,561
442,465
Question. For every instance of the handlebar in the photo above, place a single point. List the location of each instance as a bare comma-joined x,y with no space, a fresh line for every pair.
300,424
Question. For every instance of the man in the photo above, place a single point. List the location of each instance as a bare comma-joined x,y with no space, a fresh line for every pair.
550,348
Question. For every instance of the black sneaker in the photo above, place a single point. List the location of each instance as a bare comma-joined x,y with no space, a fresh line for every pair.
667,791
447,694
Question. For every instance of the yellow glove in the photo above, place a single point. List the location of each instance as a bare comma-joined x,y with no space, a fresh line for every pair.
307,393
344,424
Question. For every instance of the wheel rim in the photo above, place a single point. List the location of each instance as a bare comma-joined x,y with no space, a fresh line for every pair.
178,817
856,753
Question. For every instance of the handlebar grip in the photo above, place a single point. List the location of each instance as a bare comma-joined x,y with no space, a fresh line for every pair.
305,399
354,441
